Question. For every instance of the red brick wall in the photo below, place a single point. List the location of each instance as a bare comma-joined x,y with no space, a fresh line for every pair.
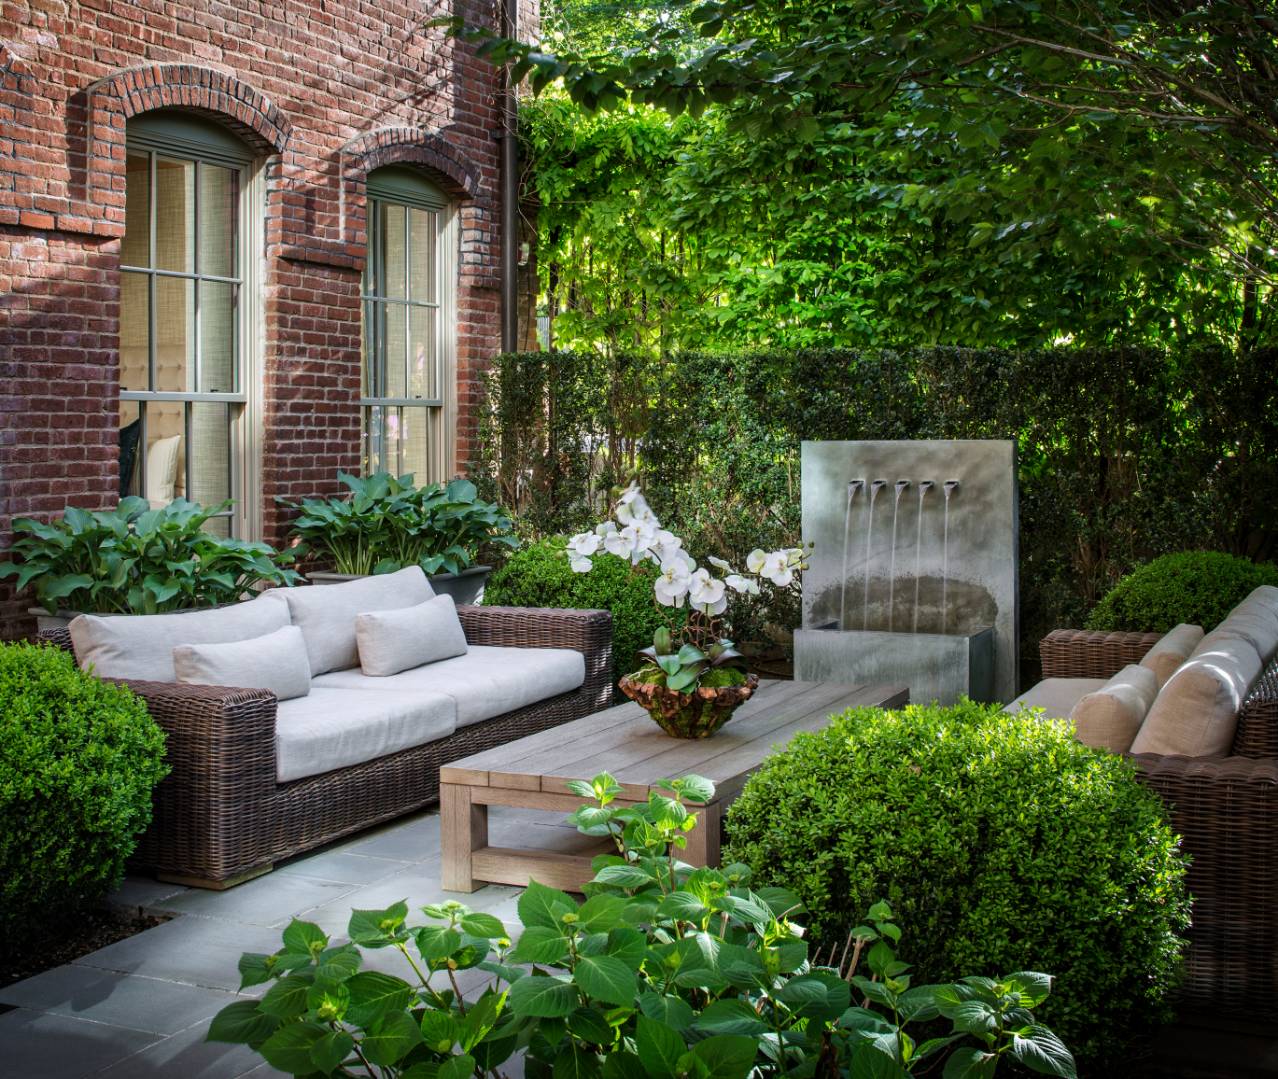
325,92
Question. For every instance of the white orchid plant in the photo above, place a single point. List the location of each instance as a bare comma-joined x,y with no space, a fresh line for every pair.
634,534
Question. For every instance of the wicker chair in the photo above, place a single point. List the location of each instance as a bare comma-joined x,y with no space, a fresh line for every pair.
1226,810
221,817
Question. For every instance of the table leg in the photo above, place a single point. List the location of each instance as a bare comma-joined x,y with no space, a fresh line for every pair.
703,840
463,828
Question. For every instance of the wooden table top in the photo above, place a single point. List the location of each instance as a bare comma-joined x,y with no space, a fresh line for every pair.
625,742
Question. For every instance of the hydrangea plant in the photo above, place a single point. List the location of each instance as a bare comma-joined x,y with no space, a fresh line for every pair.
697,653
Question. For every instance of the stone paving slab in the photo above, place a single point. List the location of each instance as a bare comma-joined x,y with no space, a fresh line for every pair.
139,1008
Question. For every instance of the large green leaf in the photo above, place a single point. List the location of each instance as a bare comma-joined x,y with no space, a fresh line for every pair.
241,1022
659,1048
727,1056
545,907
1042,1051
289,1048
391,1038
542,997
375,995
541,944
605,978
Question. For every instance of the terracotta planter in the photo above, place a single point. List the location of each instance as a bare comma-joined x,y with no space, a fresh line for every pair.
466,587
689,715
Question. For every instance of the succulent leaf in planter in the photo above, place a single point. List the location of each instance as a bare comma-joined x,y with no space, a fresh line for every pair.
137,560
386,523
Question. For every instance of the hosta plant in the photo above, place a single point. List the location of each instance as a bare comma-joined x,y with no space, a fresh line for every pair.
137,560
695,652
663,971
387,523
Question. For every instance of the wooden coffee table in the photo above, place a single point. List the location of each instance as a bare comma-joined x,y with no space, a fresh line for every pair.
531,773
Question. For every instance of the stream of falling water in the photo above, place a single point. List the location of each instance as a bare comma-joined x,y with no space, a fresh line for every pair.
853,487
869,536
924,487
948,488
901,485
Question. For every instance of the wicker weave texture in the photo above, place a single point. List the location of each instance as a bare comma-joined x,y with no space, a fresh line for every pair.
220,812
1226,811
1083,653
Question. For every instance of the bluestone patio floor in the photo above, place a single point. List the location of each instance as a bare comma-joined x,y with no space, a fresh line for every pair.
139,1008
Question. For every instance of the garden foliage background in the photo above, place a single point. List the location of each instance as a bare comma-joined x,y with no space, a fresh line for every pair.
1124,453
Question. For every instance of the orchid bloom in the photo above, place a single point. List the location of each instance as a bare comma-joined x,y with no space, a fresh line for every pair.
672,585
706,593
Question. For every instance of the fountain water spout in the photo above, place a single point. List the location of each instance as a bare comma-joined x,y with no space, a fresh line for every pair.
924,487
949,487
875,487
853,487
899,488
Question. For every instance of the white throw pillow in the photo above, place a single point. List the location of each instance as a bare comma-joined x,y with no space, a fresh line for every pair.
141,645
325,613
1110,717
162,469
277,662
394,641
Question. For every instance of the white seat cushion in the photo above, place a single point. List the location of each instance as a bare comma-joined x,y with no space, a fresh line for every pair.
485,682
1056,696
335,728
141,645
325,613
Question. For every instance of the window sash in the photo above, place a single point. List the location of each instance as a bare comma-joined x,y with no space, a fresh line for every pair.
235,398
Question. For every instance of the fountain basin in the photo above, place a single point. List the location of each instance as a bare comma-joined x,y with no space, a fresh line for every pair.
936,666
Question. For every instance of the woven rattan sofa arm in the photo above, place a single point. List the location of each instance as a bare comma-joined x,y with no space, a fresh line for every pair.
214,734
1226,811
1085,653
588,632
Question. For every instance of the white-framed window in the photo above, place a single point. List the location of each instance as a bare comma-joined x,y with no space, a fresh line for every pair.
409,334
185,333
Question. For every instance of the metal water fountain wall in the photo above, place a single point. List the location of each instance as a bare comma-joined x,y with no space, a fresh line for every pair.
914,589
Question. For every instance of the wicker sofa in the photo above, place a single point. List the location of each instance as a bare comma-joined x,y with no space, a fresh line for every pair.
223,815
1226,809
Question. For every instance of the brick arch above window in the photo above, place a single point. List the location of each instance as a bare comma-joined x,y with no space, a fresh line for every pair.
112,101
431,152
428,150
202,90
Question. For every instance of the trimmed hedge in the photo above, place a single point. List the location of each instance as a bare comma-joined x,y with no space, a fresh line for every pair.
78,760
539,576
1124,454
1199,587
1003,844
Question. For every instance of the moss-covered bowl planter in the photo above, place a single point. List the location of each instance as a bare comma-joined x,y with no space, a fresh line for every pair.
689,715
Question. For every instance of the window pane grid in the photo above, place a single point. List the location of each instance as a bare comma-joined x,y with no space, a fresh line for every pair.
181,384
403,378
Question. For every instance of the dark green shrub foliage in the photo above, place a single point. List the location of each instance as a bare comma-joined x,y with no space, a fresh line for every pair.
1004,843
539,576
78,759
1199,587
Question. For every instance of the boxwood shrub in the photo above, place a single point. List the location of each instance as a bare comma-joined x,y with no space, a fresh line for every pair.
1193,586
539,576
78,760
1004,843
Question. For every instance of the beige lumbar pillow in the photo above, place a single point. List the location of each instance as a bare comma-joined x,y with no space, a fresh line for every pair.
1253,620
1110,717
1172,649
394,641
277,662
1196,713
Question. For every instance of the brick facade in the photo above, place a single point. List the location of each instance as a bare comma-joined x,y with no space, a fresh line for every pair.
324,92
